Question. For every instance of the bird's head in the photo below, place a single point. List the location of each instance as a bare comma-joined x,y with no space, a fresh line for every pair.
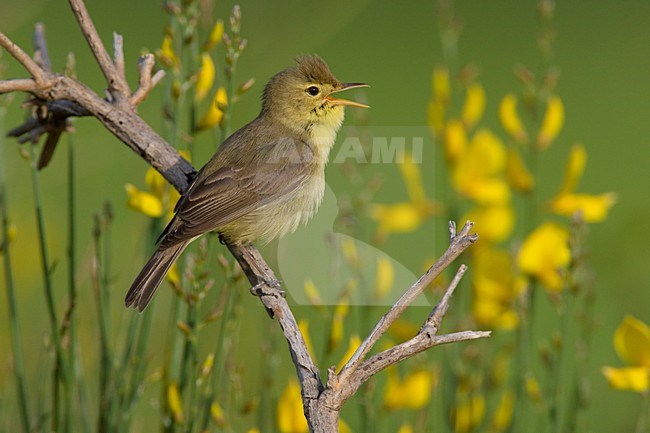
303,96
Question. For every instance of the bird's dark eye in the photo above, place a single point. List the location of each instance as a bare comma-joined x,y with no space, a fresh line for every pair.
313,90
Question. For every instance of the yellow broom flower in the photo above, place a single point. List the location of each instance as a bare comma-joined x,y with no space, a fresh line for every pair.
503,413
574,169
166,53
384,277
469,411
336,331
400,217
440,84
552,122
441,93
545,254
143,201
303,326
412,176
290,415
174,403
518,174
592,208
217,414
312,293
412,392
206,77
354,344
214,115
479,175
474,105
510,119
496,221
215,36
455,141
632,344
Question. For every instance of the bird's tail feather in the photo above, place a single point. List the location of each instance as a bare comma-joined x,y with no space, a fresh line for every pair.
149,278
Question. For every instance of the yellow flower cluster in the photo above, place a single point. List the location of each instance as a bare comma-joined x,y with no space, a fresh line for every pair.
203,79
412,392
159,200
404,217
487,172
484,172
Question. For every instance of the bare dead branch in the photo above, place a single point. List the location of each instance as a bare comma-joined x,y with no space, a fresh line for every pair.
458,245
425,339
64,96
116,83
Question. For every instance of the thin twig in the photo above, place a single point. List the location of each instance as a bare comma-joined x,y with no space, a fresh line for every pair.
115,80
146,81
18,85
41,55
432,324
118,55
24,59
412,347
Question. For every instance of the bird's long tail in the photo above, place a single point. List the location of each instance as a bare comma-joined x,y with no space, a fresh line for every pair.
149,278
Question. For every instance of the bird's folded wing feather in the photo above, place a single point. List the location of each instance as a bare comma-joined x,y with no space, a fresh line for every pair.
229,193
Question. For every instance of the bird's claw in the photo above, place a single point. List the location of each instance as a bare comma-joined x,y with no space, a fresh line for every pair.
268,288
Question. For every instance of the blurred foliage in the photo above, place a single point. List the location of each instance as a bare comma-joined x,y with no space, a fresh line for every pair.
508,155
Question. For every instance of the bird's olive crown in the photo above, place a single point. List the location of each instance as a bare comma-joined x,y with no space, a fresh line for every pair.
299,89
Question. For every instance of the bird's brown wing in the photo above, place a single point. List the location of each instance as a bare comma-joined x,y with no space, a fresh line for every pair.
229,193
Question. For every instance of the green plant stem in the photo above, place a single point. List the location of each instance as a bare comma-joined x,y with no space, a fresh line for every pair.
72,290
172,362
558,368
644,415
134,358
139,367
215,374
60,370
522,361
230,89
105,369
187,374
12,309
120,406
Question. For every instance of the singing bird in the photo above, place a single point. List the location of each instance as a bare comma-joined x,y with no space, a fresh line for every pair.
265,179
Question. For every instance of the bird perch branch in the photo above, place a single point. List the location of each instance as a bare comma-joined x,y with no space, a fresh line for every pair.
58,97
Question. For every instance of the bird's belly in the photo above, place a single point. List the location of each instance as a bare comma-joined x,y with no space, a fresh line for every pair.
279,217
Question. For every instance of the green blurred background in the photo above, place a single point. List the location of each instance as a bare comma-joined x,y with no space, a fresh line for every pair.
602,49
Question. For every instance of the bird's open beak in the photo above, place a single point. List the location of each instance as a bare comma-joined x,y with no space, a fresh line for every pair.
346,86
